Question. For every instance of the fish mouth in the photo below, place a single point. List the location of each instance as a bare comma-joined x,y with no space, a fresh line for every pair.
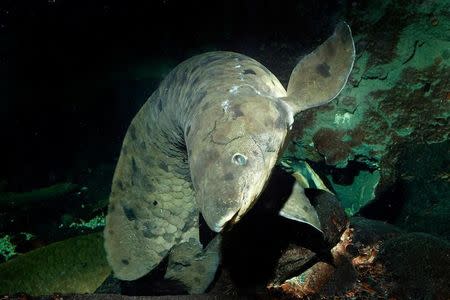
227,222
242,211
231,222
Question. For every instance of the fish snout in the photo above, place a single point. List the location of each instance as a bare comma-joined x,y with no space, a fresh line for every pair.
221,208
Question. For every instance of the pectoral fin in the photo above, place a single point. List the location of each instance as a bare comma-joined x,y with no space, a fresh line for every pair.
193,266
320,76
298,208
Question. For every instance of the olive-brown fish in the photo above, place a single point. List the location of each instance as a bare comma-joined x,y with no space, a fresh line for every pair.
206,141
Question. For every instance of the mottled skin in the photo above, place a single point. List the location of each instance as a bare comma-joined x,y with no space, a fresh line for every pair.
206,141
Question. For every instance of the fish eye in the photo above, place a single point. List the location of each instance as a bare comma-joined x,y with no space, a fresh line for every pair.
239,159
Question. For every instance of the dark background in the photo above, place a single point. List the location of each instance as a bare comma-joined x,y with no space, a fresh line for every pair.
68,90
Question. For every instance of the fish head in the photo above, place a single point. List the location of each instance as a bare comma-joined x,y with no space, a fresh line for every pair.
232,153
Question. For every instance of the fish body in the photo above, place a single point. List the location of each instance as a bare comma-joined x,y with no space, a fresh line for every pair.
206,142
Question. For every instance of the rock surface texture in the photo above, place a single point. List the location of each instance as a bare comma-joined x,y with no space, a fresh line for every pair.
398,98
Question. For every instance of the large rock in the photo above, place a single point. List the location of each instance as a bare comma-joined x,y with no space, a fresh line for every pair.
397,96
76,265
419,264
424,179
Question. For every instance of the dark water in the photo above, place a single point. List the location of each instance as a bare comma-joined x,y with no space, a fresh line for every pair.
69,68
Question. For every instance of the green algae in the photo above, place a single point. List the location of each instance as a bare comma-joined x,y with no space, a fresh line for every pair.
7,248
95,222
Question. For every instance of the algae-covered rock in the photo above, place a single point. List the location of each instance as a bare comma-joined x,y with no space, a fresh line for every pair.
368,232
419,263
426,207
397,96
76,265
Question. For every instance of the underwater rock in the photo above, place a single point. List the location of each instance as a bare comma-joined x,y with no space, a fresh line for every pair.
10,200
331,215
322,266
419,263
293,259
368,232
49,214
399,96
324,277
76,265
124,297
392,263
375,260
308,283
426,204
